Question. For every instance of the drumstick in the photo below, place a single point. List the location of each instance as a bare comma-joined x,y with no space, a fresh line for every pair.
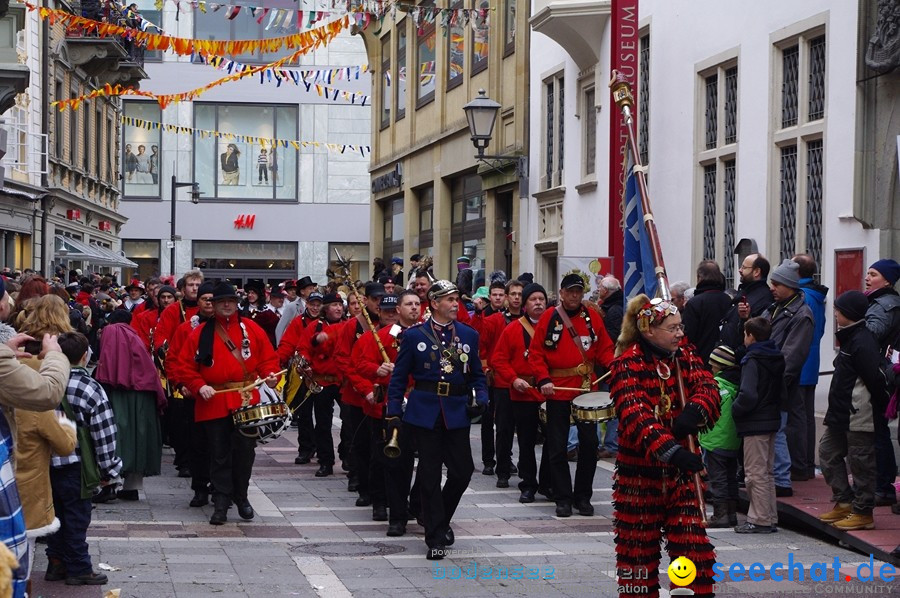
259,382
600,379
569,388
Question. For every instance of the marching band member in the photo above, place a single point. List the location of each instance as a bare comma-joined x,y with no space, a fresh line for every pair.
653,490
514,372
180,311
229,353
135,298
441,355
150,298
269,317
146,321
567,344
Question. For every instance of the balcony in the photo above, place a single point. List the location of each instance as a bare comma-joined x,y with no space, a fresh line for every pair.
112,59
576,25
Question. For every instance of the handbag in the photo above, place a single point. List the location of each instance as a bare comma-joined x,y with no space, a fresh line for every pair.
90,471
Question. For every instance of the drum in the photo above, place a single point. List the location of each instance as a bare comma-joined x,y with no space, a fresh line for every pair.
266,421
542,414
593,407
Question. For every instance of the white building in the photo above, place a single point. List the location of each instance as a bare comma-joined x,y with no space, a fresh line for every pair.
750,120
256,222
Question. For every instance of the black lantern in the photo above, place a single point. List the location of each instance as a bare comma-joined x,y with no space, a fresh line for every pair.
482,115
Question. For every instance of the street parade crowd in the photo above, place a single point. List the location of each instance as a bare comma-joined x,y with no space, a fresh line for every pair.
95,380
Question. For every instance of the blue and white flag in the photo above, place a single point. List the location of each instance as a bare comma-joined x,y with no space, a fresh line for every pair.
639,268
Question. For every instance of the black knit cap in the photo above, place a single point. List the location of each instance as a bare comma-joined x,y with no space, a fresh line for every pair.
852,304
531,289
206,288
223,291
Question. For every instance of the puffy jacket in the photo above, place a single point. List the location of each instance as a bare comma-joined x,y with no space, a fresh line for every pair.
815,298
703,315
723,435
858,384
613,313
792,332
759,297
757,408
883,316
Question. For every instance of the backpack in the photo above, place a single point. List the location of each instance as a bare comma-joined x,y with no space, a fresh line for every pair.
90,471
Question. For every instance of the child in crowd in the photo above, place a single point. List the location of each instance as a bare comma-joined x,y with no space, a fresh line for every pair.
757,417
721,444
857,388
67,549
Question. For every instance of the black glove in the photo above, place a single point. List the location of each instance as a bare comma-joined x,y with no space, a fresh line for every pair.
393,423
686,461
688,422
475,410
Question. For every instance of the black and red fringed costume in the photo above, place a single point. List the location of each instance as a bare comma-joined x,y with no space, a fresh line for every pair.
651,497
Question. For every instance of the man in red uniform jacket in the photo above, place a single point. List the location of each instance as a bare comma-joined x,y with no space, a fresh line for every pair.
229,353
568,343
146,321
516,376
180,311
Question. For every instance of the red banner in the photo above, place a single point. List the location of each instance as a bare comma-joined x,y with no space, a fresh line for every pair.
624,58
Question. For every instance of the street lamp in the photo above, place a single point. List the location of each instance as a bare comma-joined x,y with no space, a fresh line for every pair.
482,116
195,199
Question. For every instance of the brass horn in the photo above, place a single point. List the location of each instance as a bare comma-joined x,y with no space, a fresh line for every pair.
392,448
304,370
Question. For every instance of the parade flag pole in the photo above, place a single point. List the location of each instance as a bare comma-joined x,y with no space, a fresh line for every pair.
621,94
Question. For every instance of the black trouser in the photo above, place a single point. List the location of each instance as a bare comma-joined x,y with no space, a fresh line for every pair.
487,431
808,394
438,447
199,453
231,456
885,461
527,420
722,471
356,444
324,410
263,173
795,430
506,427
558,413
306,442
69,544
396,473
179,419
372,466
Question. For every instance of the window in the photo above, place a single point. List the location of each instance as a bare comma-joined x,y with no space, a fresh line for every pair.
712,111
467,223
212,25
86,139
385,81
814,194
790,61
111,143
153,18
643,99
553,131
140,155
98,140
589,133
728,225
240,255
481,36
709,212
358,256
145,254
232,169
393,228
788,212
401,71
73,116
426,218
816,107
509,27
456,52
59,123
425,76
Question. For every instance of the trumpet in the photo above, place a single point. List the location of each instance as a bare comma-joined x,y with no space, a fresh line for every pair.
392,448
304,371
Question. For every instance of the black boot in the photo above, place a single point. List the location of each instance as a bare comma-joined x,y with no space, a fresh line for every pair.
731,507
720,517
220,513
201,498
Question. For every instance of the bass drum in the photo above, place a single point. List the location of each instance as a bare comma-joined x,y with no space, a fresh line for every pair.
266,421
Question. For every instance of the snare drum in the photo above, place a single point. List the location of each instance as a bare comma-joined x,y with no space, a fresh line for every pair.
266,421
542,414
593,407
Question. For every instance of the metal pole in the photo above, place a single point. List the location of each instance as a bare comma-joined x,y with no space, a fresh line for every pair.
172,249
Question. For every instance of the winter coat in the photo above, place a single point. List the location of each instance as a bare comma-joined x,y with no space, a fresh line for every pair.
815,298
613,312
759,297
792,332
723,435
757,408
858,385
703,315
883,316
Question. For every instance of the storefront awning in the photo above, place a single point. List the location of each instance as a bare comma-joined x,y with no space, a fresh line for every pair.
71,249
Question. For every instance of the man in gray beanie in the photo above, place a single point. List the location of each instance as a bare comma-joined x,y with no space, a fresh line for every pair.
792,330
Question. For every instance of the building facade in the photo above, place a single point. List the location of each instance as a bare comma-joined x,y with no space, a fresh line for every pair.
265,213
430,195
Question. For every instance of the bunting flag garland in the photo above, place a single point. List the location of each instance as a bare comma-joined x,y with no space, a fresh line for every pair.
341,148
305,41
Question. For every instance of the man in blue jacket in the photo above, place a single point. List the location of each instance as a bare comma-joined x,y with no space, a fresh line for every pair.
809,375
441,357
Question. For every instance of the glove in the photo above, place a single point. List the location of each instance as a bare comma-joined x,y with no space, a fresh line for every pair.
688,422
475,410
686,461
393,423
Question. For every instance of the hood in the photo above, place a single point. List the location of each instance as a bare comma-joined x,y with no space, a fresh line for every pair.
709,285
763,350
813,290
616,297
843,335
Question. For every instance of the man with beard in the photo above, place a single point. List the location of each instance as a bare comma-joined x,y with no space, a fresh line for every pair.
178,312
752,299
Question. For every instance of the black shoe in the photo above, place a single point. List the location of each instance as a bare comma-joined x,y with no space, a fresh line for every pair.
449,537
56,571
345,465
244,509
219,516
379,513
546,493
353,484
527,496
563,509
324,471
783,491
364,500
885,500
503,482
200,499
584,507
88,579
752,528
436,554
895,508
106,494
303,459
127,495
395,529
799,476
488,470
513,470
184,472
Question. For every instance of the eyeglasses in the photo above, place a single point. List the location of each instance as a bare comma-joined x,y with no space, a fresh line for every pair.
674,328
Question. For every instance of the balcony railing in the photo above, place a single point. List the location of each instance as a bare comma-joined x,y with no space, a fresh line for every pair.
109,11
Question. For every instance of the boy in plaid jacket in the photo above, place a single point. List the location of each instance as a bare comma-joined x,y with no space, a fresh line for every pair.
67,549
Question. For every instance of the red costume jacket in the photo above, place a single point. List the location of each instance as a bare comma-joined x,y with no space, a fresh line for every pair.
290,340
553,348
171,317
144,323
321,355
268,321
366,359
348,337
511,361
176,356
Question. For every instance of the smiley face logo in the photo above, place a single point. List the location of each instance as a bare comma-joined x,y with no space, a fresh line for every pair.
682,571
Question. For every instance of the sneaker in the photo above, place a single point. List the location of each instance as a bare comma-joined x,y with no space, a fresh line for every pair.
855,521
752,528
840,511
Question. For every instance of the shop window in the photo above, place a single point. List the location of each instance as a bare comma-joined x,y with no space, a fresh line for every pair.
145,254
467,232
393,227
456,50
425,62
141,152
426,218
238,255
212,25
358,256
481,36
234,169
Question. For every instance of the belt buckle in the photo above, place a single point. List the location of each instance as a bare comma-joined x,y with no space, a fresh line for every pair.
443,389
583,369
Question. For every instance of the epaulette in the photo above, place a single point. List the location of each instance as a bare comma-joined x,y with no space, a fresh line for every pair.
416,325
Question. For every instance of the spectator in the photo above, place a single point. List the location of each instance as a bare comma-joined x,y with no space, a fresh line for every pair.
814,295
677,289
378,267
612,305
397,271
704,313
753,297
414,262
883,319
756,413
792,332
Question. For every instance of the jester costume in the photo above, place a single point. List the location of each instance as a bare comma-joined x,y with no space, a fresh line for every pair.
652,496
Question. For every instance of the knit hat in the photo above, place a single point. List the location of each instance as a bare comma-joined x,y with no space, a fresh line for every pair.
887,268
787,274
723,356
481,293
206,288
853,304
526,277
531,289
167,289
